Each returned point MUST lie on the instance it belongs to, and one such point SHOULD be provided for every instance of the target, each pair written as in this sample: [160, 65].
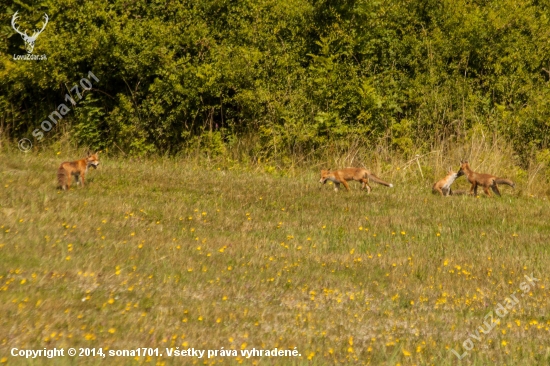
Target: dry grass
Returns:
[166, 252]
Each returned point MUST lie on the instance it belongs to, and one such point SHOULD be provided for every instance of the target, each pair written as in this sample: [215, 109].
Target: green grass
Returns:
[172, 253]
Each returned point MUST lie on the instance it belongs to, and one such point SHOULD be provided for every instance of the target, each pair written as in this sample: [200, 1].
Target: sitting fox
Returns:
[443, 186]
[485, 180]
[346, 174]
[78, 169]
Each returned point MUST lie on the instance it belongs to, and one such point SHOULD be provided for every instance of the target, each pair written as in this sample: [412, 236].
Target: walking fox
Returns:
[485, 180]
[78, 169]
[443, 186]
[346, 174]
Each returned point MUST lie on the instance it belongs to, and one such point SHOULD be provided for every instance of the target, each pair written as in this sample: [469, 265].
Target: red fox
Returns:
[485, 180]
[77, 169]
[358, 174]
[443, 186]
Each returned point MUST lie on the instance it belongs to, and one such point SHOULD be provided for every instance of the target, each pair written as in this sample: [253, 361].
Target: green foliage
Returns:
[298, 74]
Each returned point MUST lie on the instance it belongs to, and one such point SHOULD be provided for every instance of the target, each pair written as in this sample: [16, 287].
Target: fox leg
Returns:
[366, 185]
[495, 189]
[436, 190]
[82, 179]
[336, 186]
[486, 190]
[345, 184]
[473, 189]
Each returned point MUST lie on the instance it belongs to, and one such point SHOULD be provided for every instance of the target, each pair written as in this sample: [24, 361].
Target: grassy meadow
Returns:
[171, 252]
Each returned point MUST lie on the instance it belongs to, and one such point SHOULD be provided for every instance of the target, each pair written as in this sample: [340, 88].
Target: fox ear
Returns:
[88, 153]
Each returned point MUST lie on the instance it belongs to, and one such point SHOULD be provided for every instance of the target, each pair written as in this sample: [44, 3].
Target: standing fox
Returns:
[444, 185]
[485, 180]
[78, 169]
[358, 174]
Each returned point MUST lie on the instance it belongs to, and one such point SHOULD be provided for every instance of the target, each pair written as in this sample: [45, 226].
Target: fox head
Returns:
[324, 176]
[451, 172]
[92, 160]
[464, 166]
[458, 174]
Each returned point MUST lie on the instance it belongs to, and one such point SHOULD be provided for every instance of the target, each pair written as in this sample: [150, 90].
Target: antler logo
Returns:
[29, 40]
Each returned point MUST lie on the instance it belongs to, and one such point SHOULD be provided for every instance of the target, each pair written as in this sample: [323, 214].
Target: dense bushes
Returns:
[298, 74]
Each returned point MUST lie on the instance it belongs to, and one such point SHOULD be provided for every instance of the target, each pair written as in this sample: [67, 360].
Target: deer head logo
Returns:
[29, 40]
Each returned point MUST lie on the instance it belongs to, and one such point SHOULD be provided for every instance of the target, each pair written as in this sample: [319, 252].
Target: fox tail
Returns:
[62, 178]
[375, 179]
[505, 181]
[460, 192]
